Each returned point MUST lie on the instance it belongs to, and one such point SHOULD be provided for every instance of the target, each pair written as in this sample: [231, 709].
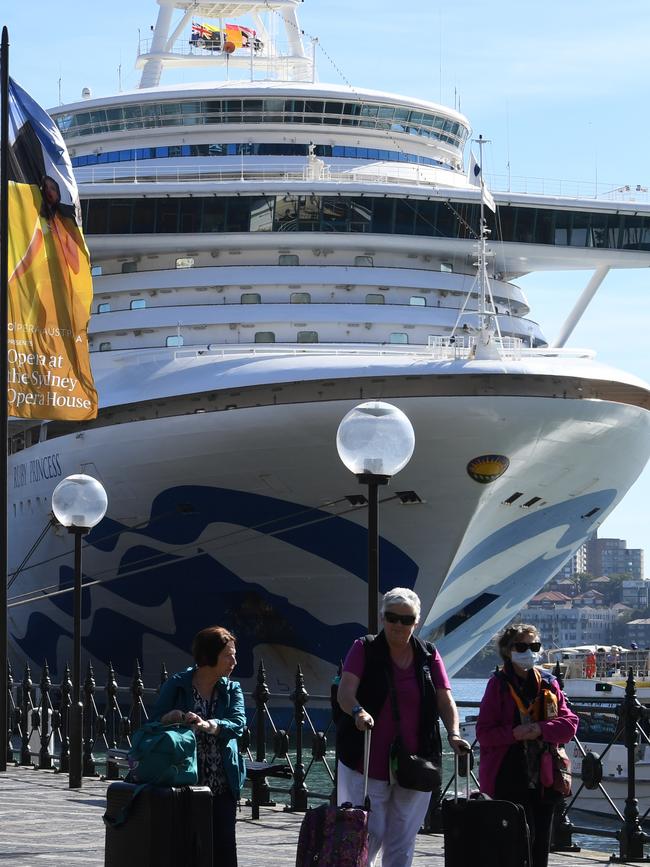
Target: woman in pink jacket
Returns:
[523, 708]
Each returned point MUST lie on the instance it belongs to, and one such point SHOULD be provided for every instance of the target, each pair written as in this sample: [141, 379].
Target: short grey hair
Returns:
[401, 596]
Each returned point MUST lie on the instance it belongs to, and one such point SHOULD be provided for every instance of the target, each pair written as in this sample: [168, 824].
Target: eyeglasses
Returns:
[404, 619]
[522, 646]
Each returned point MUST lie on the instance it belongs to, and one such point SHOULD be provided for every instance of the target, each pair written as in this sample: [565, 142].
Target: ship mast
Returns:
[259, 54]
[488, 338]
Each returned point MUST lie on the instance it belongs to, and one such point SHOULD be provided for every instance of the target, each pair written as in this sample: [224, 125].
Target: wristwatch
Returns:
[355, 710]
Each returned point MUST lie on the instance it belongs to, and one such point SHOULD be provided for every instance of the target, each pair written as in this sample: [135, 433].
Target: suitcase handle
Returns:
[366, 764]
[467, 759]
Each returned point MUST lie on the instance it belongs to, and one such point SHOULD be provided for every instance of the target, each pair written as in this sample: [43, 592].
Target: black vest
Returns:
[372, 694]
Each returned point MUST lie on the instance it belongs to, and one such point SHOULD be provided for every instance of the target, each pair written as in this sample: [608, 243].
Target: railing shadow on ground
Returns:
[289, 740]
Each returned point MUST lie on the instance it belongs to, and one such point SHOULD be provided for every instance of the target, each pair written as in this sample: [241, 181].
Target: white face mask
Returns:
[525, 660]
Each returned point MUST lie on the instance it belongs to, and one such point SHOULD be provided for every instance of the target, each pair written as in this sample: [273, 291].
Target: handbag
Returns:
[164, 755]
[410, 771]
[555, 769]
[561, 770]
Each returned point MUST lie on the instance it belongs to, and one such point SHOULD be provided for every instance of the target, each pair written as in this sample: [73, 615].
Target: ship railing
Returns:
[442, 351]
[510, 348]
[567, 189]
[132, 172]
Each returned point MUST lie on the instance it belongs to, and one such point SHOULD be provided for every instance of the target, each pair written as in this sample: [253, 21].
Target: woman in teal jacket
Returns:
[204, 697]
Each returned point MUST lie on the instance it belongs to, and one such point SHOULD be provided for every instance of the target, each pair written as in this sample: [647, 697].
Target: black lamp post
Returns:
[375, 440]
[79, 503]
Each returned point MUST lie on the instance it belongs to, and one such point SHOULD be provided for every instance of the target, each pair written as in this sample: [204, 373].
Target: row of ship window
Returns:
[275, 110]
[248, 149]
[290, 259]
[267, 337]
[371, 214]
[256, 298]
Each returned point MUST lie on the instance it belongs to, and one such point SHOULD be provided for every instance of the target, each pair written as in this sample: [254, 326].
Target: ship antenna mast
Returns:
[489, 335]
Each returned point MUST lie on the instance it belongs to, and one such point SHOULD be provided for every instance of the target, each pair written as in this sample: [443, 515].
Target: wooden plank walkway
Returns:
[44, 822]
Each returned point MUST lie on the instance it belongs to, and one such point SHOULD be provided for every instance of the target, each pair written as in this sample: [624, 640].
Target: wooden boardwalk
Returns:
[44, 822]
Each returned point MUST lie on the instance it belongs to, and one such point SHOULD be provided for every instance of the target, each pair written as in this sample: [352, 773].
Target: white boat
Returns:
[601, 671]
[269, 252]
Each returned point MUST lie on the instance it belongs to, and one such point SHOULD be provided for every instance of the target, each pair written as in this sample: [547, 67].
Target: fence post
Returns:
[7, 722]
[631, 837]
[298, 790]
[260, 794]
[112, 770]
[66, 703]
[89, 769]
[562, 833]
[25, 754]
[137, 691]
[44, 757]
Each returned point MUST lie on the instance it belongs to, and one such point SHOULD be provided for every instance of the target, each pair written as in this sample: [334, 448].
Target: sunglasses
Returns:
[522, 646]
[404, 619]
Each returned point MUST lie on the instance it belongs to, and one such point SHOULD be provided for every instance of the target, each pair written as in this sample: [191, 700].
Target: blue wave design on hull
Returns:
[203, 591]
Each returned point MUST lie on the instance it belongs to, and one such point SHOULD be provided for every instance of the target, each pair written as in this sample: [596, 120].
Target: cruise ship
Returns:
[268, 252]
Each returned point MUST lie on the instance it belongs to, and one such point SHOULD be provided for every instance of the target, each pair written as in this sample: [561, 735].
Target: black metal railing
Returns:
[276, 743]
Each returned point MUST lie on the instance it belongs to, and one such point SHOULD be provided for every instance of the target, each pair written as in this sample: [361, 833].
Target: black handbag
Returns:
[410, 771]
[413, 771]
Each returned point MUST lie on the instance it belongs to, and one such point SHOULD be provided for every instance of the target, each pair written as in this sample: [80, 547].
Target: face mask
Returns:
[526, 660]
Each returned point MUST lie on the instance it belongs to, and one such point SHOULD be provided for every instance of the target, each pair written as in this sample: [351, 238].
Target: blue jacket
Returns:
[176, 694]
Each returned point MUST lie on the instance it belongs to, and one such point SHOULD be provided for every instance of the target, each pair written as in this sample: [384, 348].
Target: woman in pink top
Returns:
[422, 692]
[523, 708]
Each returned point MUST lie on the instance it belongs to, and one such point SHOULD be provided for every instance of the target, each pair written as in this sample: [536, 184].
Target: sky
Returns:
[559, 89]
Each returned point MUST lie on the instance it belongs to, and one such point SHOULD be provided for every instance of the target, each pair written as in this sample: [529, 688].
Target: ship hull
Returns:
[241, 518]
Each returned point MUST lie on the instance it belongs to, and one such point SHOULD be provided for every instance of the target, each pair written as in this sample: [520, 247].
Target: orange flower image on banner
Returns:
[50, 286]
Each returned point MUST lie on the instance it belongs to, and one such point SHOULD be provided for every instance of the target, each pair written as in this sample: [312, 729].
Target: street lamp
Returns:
[375, 440]
[79, 503]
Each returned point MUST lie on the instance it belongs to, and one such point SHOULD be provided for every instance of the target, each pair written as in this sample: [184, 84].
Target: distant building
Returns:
[639, 631]
[575, 566]
[568, 586]
[613, 557]
[635, 593]
[562, 626]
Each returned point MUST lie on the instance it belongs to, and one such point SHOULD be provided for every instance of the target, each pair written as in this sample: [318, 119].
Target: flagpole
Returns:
[4, 286]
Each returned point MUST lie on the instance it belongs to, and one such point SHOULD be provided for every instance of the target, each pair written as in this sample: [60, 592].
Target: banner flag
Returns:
[50, 287]
[475, 178]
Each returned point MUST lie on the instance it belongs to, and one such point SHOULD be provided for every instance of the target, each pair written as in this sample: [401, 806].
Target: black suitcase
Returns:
[479, 830]
[164, 826]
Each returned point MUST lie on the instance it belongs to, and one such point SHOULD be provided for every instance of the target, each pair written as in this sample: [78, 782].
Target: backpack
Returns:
[163, 755]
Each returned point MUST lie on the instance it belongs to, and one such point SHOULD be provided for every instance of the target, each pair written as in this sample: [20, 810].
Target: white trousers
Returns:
[396, 816]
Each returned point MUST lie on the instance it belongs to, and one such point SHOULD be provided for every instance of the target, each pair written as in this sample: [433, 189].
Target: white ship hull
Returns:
[239, 517]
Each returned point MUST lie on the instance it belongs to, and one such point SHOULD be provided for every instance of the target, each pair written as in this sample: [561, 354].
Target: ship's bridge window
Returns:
[129, 267]
[96, 271]
[446, 266]
[308, 337]
[251, 298]
[104, 346]
[104, 308]
[398, 337]
[418, 301]
[300, 298]
[264, 337]
[364, 260]
[185, 262]
[288, 259]
[174, 340]
[373, 298]
[138, 304]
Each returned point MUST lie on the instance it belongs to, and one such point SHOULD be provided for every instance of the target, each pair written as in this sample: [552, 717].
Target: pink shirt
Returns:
[408, 701]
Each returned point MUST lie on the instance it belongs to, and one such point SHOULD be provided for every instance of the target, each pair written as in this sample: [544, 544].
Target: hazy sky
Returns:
[559, 88]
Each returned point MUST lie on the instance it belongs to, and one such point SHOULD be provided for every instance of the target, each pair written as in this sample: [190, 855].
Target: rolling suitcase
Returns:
[337, 836]
[479, 830]
[164, 826]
